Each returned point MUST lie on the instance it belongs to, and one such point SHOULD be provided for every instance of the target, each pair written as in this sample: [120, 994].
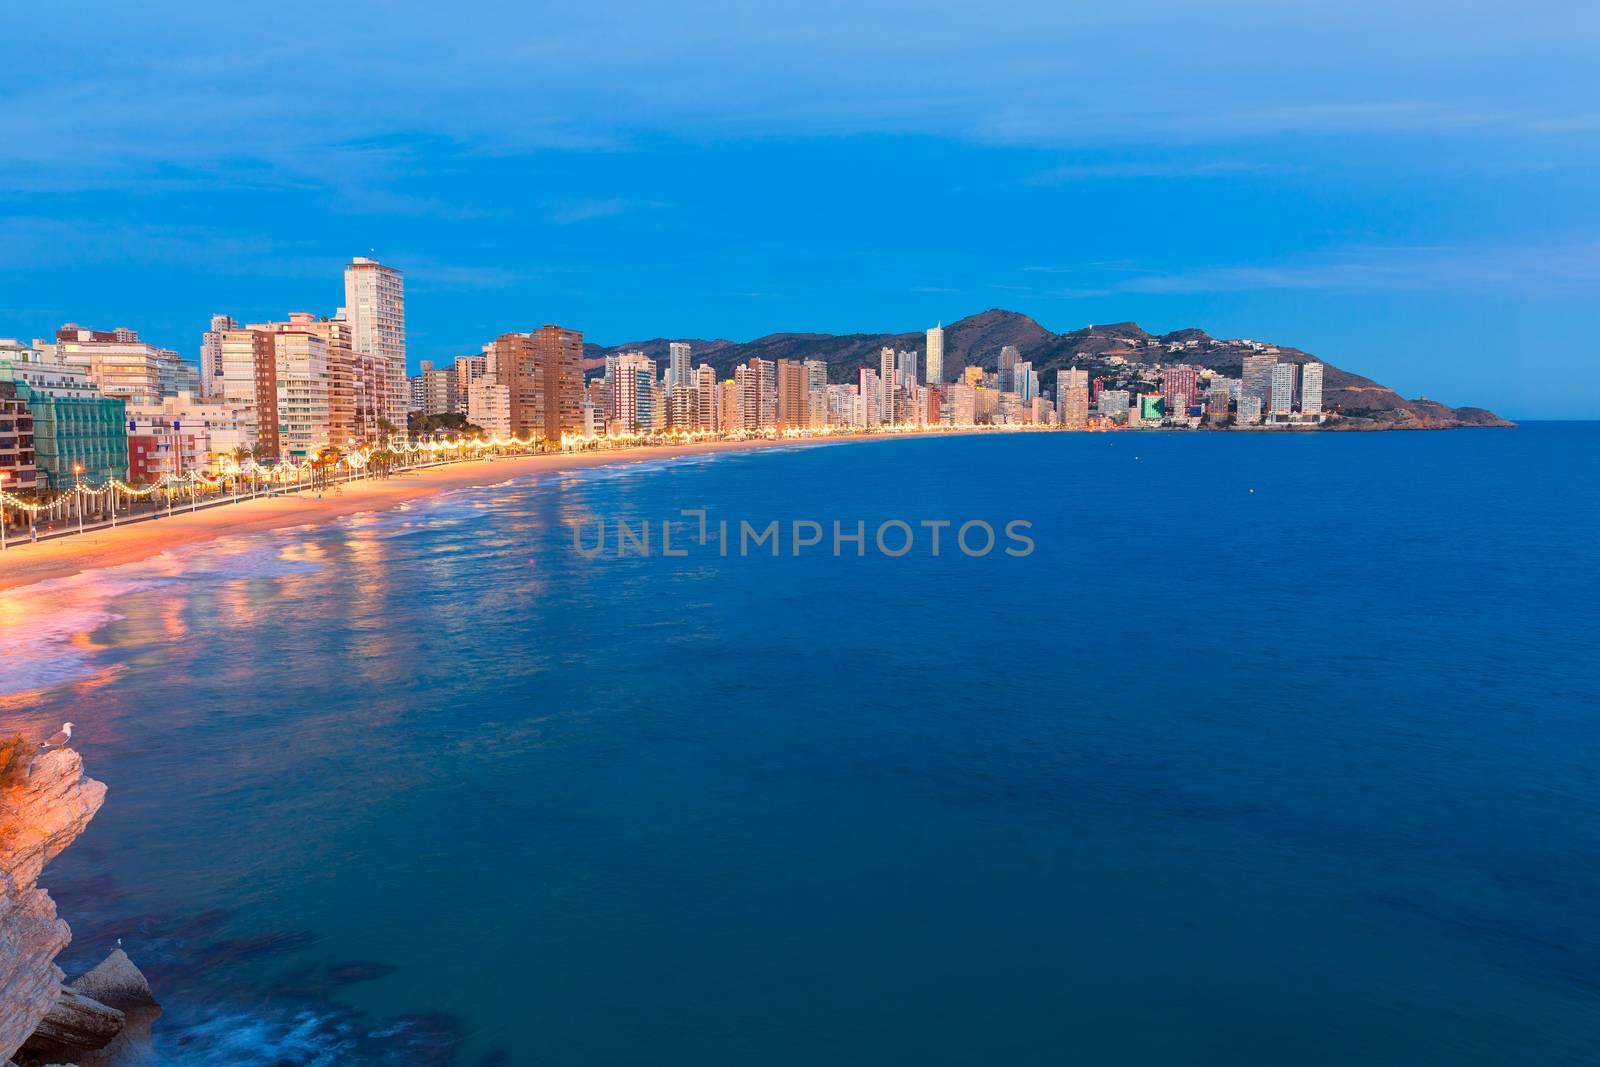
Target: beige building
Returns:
[489, 407]
[122, 365]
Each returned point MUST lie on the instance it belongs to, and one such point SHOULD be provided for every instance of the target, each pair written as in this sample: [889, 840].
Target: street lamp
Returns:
[77, 481]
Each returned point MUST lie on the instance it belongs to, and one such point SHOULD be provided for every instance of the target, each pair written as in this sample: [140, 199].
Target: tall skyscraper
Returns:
[1072, 397]
[817, 391]
[710, 404]
[793, 395]
[561, 353]
[1311, 389]
[345, 424]
[633, 376]
[544, 371]
[935, 361]
[250, 384]
[679, 372]
[1283, 382]
[887, 408]
[375, 308]
[1009, 358]
[758, 394]
[211, 355]
[1256, 380]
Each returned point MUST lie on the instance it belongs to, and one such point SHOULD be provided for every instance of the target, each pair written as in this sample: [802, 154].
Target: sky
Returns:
[1404, 189]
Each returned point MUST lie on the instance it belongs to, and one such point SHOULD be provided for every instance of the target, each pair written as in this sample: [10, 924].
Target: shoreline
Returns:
[26, 565]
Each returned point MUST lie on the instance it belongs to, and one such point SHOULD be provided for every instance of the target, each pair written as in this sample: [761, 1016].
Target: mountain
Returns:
[1123, 354]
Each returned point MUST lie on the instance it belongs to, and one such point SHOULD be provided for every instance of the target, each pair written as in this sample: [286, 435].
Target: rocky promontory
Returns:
[46, 802]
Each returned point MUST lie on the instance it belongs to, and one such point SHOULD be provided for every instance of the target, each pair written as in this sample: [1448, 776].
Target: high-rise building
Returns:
[1072, 397]
[375, 308]
[1249, 410]
[468, 370]
[302, 386]
[1218, 398]
[906, 371]
[1180, 388]
[710, 413]
[1311, 389]
[544, 371]
[345, 427]
[633, 393]
[963, 404]
[211, 355]
[935, 362]
[1027, 382]
[1113, 404]
[817, 392]
[1283, 383]
[888, 379]
[1009, 358]
[433, 390]
[758, 394]
[794, 393]
[1256, 379]
[250, 384]
[729, 419]
[561, 352]
[679, 371]
[489, 407]
[870, 394]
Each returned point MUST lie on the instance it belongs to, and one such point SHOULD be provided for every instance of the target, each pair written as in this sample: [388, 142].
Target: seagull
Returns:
[60, 738]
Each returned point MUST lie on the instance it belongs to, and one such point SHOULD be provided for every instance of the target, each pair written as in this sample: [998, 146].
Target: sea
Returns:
[1243, 749]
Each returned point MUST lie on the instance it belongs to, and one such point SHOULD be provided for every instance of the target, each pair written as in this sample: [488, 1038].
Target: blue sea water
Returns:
[1275, 750]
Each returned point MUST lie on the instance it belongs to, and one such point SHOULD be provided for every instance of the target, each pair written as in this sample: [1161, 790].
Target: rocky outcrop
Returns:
[76, 1024]
[40, 815]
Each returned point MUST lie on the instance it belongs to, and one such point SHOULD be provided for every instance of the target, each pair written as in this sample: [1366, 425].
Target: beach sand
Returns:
[25, 564]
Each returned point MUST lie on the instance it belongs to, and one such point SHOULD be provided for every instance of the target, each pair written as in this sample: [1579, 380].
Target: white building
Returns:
[211, 355]
[1311, 389]
[935, 362]
[1283, 382]
[679, 371]
[489, 407]
[375, 308]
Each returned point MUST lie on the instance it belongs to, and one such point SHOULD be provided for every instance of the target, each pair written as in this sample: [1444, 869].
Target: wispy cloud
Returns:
[1176, 168]
[571, 212]
[1526, 270]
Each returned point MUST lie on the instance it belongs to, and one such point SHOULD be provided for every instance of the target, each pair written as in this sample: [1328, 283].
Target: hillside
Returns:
[1121, 353]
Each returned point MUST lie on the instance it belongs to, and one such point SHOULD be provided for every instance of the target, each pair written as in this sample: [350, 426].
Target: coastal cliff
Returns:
[45, 805]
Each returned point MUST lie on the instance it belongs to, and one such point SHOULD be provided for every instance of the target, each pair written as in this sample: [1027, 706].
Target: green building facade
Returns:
[72, 426]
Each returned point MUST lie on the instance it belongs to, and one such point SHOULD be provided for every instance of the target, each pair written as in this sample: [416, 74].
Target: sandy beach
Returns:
[26, 564]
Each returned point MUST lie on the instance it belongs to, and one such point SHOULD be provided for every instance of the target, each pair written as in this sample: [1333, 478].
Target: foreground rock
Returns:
[117, 983]
[40, 815]
[46, 802]
[76, 1024]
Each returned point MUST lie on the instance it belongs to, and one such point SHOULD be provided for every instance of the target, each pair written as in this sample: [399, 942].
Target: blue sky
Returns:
[1407, 190]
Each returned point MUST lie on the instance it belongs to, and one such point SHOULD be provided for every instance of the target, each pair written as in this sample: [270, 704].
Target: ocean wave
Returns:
[236, 1039]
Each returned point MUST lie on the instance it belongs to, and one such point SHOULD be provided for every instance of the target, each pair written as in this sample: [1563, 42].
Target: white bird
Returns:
[60, 738]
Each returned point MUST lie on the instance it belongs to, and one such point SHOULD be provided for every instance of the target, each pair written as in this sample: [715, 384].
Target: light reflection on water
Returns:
[422, 786]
